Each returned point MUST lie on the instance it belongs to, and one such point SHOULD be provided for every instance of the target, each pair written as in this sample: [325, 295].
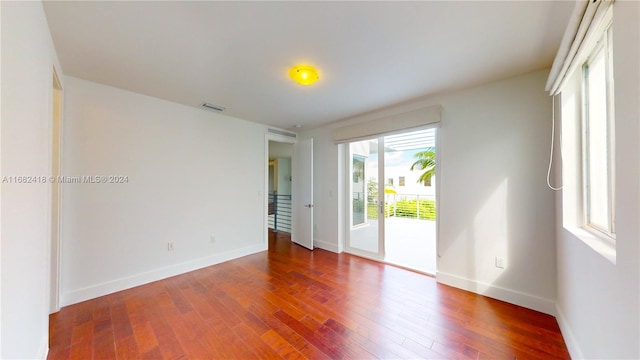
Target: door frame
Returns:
[348, 204]
[55, 215]
[347, 197]
[265, 194]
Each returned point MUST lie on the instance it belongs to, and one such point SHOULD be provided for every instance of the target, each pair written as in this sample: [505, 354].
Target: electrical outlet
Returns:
[212, 239]
[169, 246]
[500, 262]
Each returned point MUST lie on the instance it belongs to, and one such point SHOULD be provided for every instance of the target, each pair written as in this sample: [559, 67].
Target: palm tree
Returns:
[426, 160]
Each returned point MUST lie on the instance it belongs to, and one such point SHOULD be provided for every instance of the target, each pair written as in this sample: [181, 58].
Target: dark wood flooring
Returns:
[292, 303]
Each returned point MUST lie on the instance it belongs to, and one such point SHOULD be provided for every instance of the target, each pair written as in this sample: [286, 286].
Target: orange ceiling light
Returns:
[304, 74]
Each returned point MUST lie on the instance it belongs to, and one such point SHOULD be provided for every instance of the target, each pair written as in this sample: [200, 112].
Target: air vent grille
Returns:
[280, 132]
[213, 107]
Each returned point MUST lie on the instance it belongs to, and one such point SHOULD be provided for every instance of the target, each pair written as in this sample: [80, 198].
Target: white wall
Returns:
[282, 153]
[284, 176]
[493, 198]
[598, 301]
[188, 179]
[280, 150]
[27, 62]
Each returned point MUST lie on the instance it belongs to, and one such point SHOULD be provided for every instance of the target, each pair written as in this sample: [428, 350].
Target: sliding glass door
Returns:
[365, 204]
[392, 209]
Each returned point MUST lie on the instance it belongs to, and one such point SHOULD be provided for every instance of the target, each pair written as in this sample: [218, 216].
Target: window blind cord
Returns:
[553, 136]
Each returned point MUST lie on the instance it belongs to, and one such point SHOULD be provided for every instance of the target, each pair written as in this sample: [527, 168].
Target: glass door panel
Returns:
[364, 204]
[410, 212]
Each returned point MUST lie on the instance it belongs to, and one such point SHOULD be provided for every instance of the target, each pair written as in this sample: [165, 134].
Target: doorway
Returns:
[279, 188]
[288, 169]
[392, 206]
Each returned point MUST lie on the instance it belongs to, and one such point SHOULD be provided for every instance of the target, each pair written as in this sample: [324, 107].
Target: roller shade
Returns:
[585, 24]
[388, 124]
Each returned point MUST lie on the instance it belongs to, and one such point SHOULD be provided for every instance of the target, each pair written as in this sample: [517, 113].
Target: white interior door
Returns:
[303, 233]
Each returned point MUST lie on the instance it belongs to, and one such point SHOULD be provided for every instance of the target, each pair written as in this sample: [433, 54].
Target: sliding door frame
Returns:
[380, 256]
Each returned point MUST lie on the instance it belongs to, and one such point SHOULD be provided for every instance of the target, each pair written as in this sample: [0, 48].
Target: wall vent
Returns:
[213, 107]
[284, 133]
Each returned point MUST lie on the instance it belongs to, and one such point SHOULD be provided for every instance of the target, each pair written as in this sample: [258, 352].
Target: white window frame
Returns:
[604, 45]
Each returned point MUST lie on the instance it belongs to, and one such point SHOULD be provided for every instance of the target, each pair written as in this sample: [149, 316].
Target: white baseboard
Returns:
[109, 287]
[44, 353]
[326, 246]
[511, 296]
[567, 334]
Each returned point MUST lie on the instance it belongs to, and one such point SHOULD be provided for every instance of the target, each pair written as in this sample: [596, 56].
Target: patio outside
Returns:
[410, 232]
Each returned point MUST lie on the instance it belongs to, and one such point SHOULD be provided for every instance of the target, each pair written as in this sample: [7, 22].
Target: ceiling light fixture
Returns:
[304, 74]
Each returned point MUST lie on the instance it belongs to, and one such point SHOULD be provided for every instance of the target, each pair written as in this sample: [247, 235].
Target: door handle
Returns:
[309, 206]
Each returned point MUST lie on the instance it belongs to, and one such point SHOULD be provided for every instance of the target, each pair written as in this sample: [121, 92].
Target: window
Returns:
[390, 181]
[358, 195]
[598, 139]
[401, 181]
[583, 74]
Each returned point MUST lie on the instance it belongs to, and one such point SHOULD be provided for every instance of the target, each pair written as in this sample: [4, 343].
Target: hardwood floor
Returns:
[291, 303]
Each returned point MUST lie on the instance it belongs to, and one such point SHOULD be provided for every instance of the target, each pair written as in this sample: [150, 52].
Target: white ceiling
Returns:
[237, 54]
